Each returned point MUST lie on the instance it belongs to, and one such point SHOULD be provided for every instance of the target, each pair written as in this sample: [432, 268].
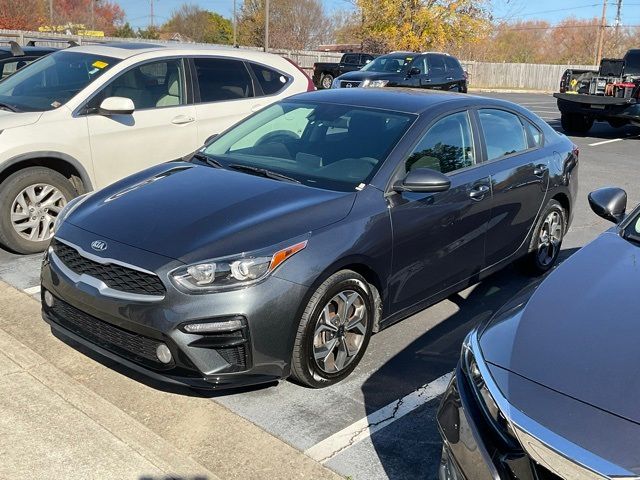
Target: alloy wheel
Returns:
[34, 210]
[340, 331]
[549, 239]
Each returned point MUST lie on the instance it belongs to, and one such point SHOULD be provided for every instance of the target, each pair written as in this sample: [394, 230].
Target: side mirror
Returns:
[423, 180]
[609, 203]
[414, 71]
[116, 106]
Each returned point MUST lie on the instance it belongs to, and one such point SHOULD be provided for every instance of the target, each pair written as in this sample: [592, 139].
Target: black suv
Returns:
[13, 57]
[438, 71]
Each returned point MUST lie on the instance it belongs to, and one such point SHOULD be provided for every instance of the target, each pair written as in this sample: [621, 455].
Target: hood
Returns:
[192, 212]
[359, 75]
[579, 333]
[17, 119]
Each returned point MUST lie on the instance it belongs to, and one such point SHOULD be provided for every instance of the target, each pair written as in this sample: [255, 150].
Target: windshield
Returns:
[334, 147]
[52, 80]
[388, 64]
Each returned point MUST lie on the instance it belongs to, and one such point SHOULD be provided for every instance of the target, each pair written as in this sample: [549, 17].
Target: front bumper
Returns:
[129, 330]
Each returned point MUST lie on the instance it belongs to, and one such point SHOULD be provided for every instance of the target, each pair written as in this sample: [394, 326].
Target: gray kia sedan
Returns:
[548, 389]
[282, 245]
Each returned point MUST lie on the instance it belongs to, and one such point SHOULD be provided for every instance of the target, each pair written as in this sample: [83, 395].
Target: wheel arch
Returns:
[563, 199]
[60, 162]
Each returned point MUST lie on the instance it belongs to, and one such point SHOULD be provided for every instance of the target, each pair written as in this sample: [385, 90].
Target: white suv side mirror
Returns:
[117, 106]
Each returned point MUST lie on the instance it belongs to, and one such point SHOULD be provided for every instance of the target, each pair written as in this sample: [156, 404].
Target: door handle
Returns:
[426, 80]
[449, 78]
[479, 192]
[182, 120]
[540, 170]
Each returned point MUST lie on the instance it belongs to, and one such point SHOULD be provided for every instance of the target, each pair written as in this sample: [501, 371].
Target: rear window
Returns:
[269, 80]
[504, 133]
[632, 62]
[452, 64]
[222, 79]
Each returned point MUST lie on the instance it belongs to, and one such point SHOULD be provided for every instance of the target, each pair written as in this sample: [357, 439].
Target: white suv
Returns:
[82, 118]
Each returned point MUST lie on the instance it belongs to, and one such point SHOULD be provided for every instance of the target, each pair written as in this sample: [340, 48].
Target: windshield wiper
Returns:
[207, 159]
[5, 106]
[263, 172]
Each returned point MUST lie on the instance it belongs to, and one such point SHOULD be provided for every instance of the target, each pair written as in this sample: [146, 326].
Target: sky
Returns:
[138, 11]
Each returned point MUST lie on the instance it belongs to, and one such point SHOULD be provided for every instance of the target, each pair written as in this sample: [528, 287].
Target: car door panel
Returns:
[439, 237]
[164, 129]
[519, 182]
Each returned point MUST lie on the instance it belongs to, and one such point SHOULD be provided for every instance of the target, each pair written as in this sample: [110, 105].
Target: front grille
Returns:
[133, 346]
[114, 276]
[349, 84]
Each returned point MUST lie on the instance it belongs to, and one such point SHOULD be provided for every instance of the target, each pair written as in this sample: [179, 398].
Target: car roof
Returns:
[407, 100]
[6, 49]
[123, 50]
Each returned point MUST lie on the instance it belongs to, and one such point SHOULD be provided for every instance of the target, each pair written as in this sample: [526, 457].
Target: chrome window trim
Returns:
[99, 285]
[554, 452]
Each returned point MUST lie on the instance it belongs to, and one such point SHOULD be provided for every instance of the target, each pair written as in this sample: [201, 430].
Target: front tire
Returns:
[334, 330]
[576, 123]
[546, 240]
[30, 201]
[326, 80]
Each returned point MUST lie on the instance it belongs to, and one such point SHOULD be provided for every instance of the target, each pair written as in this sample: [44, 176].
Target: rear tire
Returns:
[546, 240]
[30, 200]
[326, 80]
[576, 123]
[328, 347]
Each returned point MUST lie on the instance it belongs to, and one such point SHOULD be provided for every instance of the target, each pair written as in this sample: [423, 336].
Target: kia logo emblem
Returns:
[99, 245]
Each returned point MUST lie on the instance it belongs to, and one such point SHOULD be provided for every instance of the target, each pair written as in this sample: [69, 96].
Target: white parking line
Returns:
[32, 290]
[363, 428]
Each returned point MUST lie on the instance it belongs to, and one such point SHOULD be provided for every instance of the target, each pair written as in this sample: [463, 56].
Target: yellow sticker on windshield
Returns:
[99, 64]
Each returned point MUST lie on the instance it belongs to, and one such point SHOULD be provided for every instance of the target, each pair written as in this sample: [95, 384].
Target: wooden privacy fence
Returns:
[526, 76]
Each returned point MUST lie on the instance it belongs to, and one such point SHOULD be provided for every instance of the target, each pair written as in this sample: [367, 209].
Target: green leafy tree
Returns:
[199, 25]
[125, 31]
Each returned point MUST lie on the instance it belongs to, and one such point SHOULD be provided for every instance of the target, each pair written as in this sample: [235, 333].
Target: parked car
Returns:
[438, 71]
[533, 388]
[325, 72]
[283, 244]
[610, 94]
[13, 57]
[84, 117]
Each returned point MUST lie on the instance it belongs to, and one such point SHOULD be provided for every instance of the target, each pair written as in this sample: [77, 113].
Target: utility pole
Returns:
[51, 13]
[151, 15]
[235, 24]
[618, 16]
[266, 25]
[603, 26]
[93, 21]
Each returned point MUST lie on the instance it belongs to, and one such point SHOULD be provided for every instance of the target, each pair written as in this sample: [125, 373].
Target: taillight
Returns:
[310, 86]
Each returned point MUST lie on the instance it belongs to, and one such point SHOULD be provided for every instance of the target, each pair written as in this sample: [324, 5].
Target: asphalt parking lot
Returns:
[379, 423]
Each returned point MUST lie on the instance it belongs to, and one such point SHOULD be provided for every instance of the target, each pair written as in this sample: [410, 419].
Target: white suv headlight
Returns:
[374, 83]
[232, 272]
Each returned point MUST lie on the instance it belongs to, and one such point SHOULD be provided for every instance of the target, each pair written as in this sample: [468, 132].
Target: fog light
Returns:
[48, 299]
[163, 353]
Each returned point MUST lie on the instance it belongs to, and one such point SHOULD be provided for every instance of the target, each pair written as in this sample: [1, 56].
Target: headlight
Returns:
[232, 272]
[482, 394]
[374, 83]
[67, 209]
[335, 83]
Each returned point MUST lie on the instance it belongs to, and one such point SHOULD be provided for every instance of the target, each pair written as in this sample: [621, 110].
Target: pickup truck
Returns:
[610, 94]
[324, 72]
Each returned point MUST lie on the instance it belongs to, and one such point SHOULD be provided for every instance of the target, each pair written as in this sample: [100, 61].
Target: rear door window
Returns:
[222, 79]
[504, 133]
[350, 59]
[452, 65]
[270, 81]
[436, 64]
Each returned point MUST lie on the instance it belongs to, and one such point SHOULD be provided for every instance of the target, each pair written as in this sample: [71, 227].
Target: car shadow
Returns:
[410, 447]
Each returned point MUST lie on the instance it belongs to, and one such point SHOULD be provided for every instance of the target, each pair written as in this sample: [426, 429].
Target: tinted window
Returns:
[504, 134]
[351, 59]
[335, 147]
[436, 64]
[452, 65]
[366, 58]
[632, 63]
[152, 85]
[534, 135]
[222, 79]
[12, 66]
[270, 81]
[421, 63]
[53, 80]
[388, 63]
[446, 147]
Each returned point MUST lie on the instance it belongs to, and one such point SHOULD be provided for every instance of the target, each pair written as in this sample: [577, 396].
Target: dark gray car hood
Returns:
[579, 333]
[192, 212]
